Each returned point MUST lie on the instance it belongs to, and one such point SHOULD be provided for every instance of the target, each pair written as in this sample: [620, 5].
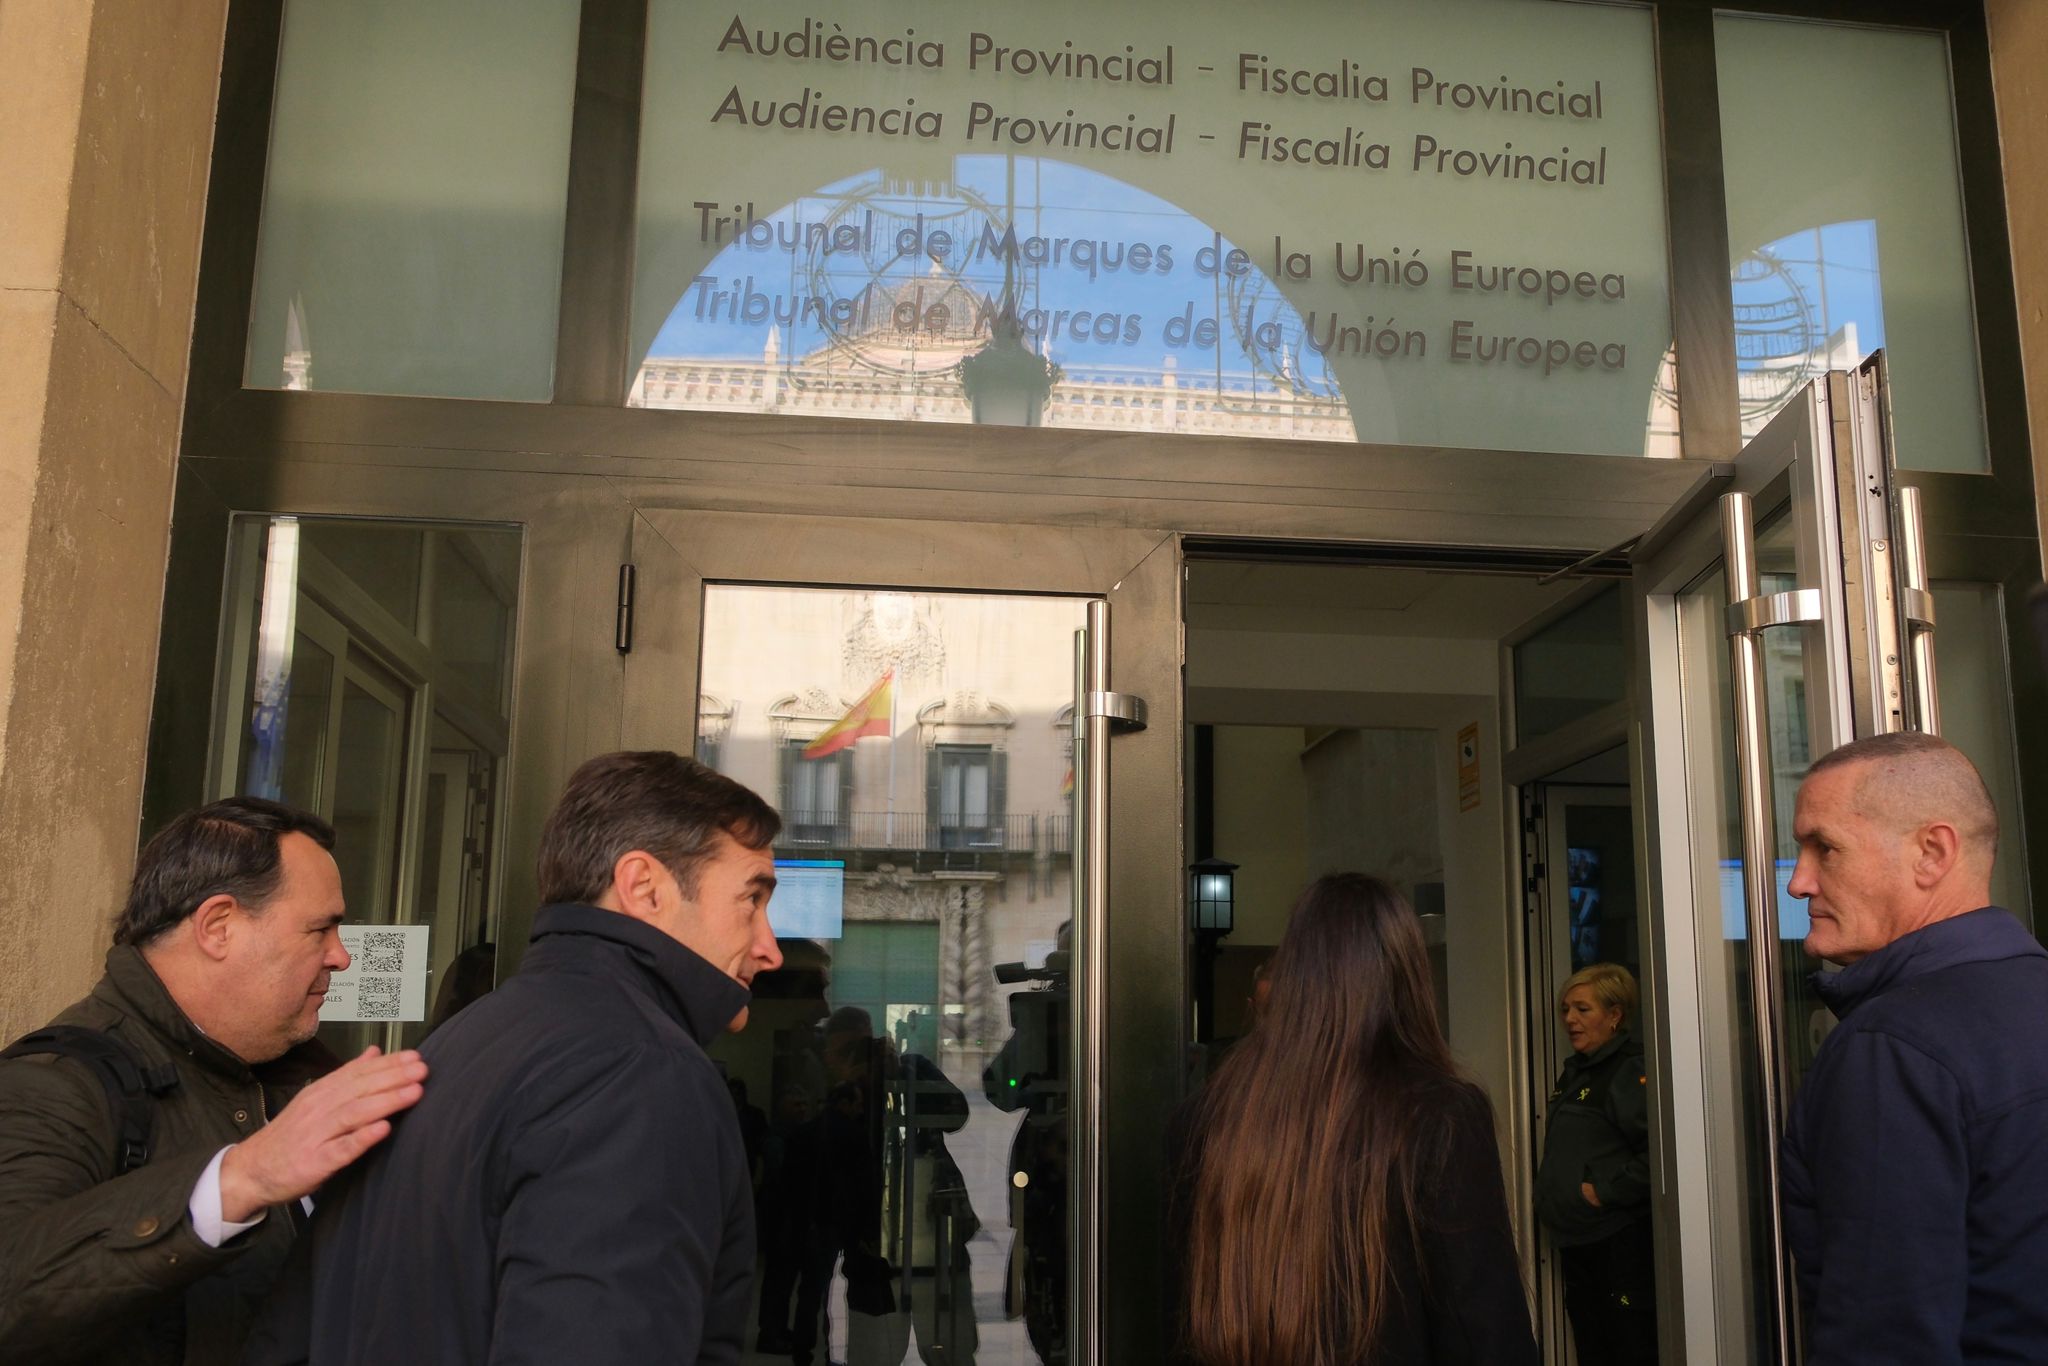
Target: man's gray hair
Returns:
[1914, 779]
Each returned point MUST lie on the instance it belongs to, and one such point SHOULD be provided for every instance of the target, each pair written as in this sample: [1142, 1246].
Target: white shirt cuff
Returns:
[208, 1222]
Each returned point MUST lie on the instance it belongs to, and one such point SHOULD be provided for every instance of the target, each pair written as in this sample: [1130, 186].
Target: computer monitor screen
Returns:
[810, 898]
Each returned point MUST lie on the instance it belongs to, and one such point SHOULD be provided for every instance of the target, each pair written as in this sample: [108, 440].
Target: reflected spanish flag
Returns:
[869, 716]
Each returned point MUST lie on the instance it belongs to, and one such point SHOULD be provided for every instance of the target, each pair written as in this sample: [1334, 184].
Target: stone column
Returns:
[2019, 77]
[108, 110]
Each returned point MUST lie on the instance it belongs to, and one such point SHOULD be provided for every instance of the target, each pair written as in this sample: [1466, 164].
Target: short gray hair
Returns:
[1922, 779]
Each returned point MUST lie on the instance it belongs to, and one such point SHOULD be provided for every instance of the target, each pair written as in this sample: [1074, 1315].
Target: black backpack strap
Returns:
[131, 1086]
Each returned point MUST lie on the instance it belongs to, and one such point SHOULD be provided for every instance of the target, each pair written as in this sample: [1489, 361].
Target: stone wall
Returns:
[108, 111]
[2019, 78]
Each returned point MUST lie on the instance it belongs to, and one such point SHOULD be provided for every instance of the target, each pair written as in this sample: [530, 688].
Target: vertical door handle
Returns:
[1759, 874]
[1093, 721]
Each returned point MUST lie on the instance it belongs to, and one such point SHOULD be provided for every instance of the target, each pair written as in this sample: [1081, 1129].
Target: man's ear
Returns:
[1937, 849]
[212, 925]
[636, 885]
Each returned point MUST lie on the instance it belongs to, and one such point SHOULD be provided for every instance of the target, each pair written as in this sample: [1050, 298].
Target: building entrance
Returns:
[1360, 717]
[1002, 748]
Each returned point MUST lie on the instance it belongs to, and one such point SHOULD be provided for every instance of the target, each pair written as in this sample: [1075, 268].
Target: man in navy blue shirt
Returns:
[1916, 1161]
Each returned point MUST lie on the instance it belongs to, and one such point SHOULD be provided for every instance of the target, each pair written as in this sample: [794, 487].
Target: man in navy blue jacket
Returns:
[573, 1187]
[1916, 1161]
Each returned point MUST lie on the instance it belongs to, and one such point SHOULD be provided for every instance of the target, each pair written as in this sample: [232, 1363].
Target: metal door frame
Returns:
[1690, 1169]
[1824, 462]
[1128, 1001]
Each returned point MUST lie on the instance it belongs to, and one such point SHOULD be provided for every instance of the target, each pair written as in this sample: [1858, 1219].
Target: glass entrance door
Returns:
[955, 1085]
[1786, 619]
[906, 1084]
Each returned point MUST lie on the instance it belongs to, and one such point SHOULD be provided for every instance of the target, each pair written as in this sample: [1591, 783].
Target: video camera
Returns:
[1030, 1071]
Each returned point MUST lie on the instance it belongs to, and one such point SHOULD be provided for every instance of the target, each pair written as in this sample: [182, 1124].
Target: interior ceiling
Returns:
[1371, 600]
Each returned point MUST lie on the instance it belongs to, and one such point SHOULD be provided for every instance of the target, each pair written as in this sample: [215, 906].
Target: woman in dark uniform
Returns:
[1593, 1189]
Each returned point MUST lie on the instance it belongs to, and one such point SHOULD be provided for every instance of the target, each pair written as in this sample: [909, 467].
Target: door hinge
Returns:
[1533, 846]
[622, 625]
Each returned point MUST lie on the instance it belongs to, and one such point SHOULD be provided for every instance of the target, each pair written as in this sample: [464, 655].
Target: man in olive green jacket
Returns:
[219, 966]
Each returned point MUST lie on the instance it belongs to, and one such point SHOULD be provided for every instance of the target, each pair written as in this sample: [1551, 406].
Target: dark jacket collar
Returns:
[1622, 1042]
[1988, 934]
[701, 998]
[133, 987]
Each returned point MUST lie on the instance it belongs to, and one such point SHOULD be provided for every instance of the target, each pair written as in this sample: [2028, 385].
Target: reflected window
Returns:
[815, 795]
[366, 676]
[968, 784]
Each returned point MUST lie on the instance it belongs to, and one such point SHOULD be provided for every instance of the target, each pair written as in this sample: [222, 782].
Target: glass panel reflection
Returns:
[1374, 221]
[1971, 669]
[1738, 1156]
[414, 198]
[1571, 668]
[902, 1082]
[1741, 1258]
[366, 673]
[1845, 224]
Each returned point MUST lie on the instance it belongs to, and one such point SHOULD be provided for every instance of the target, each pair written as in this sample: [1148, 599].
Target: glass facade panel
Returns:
[1571, 668]
[476, 583]
[387, 730]
[1376, 220]
[907, 1066]
[369, 765]
[1845, 225]
[414, 199]
[1972, 670]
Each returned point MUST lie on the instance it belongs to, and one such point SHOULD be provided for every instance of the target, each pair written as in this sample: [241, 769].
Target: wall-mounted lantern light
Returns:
[1210, 893]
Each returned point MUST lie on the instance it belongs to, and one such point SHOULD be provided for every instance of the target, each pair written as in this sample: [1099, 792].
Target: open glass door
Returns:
[1783, 619]
[956, 1084]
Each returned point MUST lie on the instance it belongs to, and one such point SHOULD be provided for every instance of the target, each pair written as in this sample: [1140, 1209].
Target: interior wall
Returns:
[1372, 806]
[1310, 682]
[1262, 818]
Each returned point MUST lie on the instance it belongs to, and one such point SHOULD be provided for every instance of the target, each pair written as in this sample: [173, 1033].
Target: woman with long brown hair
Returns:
[1340, 1199]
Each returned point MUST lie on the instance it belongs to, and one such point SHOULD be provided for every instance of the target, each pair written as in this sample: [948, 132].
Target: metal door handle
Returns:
[1759, 862]
[1126, 712]
[1099, 711]
[1762, 611]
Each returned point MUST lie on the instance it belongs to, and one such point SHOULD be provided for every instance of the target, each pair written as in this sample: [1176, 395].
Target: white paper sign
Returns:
[386, 978]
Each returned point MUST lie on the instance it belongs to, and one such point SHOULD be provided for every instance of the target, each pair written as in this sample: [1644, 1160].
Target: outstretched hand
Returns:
[328, 1125]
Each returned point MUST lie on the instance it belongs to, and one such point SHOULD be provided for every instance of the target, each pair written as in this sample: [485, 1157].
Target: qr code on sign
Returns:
[383, 952]
[377, 998]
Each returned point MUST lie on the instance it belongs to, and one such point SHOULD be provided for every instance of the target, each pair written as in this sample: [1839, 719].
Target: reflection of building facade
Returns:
[915, 382]
[953, 819]
[1131, 399]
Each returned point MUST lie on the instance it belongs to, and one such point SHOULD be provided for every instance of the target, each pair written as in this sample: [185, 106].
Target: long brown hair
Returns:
[1309, 1137]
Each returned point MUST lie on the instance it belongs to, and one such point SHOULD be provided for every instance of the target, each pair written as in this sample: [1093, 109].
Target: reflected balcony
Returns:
[1037, 834]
